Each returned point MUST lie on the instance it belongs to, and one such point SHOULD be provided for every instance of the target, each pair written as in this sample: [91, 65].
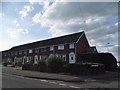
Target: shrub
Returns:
[107, 59]
[27, 66]
[85, 68]
[42, 65]
[5, 64]
[55, 63]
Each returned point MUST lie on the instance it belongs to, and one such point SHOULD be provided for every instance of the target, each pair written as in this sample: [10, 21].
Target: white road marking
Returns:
[53, 82]
[74, 87]
[62, 84]
[44, 80]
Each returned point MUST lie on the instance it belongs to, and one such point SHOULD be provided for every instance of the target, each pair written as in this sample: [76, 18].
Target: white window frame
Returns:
[36, 58]
[61, 47]
[64, 56]
[40, 57]
[51, 48]
[71, 46]
[30, 50]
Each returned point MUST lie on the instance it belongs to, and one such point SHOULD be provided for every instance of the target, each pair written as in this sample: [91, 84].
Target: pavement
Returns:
[60, 77]
[41, 75]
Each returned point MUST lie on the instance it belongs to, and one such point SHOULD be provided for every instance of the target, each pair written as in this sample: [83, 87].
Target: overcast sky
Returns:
[24, 22]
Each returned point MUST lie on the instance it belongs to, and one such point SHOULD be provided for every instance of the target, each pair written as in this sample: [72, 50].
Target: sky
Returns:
[34, 20]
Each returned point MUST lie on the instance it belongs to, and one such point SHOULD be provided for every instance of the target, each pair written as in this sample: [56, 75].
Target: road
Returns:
[13, 81]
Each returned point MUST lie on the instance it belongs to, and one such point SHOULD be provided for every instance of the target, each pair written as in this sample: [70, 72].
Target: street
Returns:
[14, 81]
[11, 81]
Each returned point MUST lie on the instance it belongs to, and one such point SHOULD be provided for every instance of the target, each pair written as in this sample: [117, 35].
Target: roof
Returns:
[48, 42]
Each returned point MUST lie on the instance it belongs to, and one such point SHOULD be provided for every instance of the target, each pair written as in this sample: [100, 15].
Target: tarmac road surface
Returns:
[14, 81]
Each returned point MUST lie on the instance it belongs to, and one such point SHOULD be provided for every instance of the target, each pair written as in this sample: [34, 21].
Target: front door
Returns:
[36, 59]
[24, 60]
[71, 58]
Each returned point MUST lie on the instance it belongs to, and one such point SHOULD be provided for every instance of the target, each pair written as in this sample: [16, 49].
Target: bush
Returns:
[107, 59]
[42, 65]
[84, 68]
[55, 63]
[27, 67]
[5, 64]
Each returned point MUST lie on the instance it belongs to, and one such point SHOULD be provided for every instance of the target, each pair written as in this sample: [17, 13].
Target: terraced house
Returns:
[68, 47]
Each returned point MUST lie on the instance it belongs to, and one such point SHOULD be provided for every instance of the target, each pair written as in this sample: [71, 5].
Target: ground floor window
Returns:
[64, 57]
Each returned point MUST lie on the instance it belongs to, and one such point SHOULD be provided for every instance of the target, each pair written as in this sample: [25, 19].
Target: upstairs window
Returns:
[11, 54]
[61, 47]
[8, 54]
[20, 52]
[25, 52]
[15, 53]
[43, 49]
[30, 51]
[36, 50]
[51, 48]
[71, 46]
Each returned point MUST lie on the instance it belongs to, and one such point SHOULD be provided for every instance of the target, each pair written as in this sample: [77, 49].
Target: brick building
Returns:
[68, 47]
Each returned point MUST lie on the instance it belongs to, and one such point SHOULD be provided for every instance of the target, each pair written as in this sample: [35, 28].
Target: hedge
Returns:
[84, 68]
[42, 65]
[107, 59]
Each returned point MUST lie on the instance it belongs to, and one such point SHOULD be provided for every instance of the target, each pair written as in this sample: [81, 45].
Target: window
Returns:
[15, 53]
[51, 48]
[20, 52]
[60, 47]
[64, 57]
[30, 51]
[40, 57]
[11, 54]
[8, 54]
[45, 57]
[43, 49]
[36, 50]
[25, 52]
[71, 45]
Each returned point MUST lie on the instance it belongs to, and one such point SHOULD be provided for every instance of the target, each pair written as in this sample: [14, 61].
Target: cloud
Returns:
[32, 1]
[16, 23]
[16, 32]
[36, 18]
[24, 12]
[66, 11]
[44, 3]
[92, 17]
